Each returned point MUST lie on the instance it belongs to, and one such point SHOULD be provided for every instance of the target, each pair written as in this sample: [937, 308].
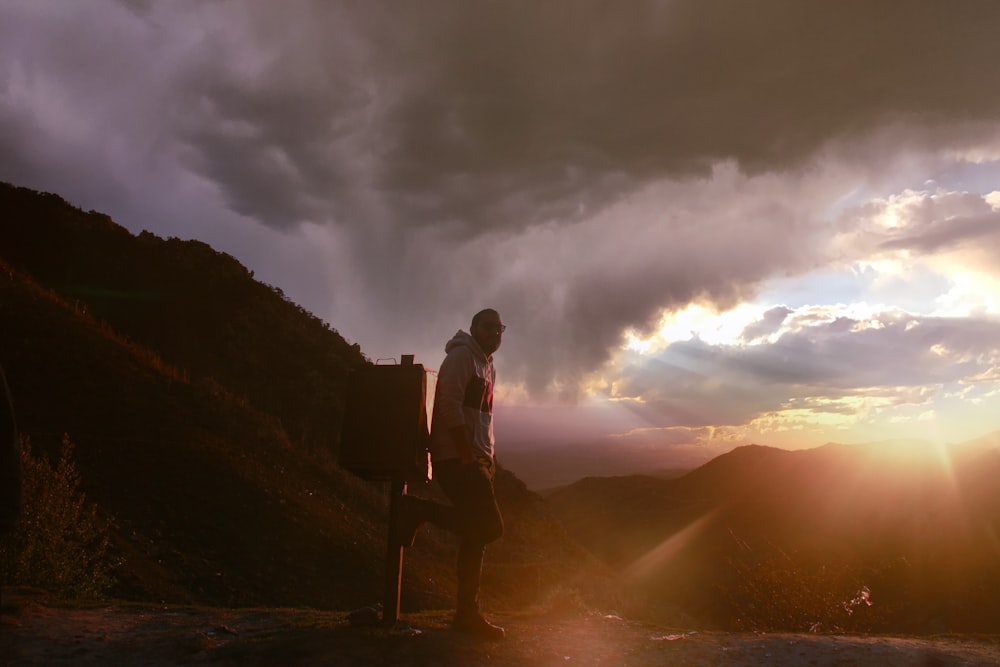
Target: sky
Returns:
[705, 223]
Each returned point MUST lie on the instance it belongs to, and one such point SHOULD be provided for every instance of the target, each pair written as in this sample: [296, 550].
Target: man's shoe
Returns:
[474, 624]
[404, 532]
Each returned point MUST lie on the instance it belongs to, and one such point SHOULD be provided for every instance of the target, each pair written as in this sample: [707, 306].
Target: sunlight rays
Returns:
[659, 557]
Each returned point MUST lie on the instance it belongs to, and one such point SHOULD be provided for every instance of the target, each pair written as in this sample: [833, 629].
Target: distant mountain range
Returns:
[544, 467]
[809, 538]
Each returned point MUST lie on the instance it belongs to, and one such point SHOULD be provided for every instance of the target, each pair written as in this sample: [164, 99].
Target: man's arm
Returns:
[456, 371]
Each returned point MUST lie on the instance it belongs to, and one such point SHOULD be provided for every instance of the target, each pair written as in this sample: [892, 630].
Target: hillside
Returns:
[549, 467]
[767, 538]
[205, 408]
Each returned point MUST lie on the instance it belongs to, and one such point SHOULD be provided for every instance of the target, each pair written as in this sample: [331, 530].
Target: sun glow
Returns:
[695, 321]
[970, 293]
[731, 327]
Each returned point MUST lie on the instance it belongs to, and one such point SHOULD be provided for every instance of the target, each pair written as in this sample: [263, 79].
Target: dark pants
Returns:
[474, 517]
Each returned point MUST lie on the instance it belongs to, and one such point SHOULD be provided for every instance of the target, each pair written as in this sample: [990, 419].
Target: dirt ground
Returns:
[37, 631]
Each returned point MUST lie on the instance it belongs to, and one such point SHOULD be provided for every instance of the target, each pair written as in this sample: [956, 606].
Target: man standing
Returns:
[461, 445]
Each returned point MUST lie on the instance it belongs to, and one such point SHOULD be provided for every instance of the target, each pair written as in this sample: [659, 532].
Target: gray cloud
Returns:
[558, 100]
[949, 233]
[767, 325]
[485, 115]
[580, 166]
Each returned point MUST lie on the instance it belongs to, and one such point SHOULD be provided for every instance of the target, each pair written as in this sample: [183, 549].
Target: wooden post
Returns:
[393, 557]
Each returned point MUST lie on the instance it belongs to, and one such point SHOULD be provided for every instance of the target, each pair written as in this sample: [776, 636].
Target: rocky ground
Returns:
[38, 631]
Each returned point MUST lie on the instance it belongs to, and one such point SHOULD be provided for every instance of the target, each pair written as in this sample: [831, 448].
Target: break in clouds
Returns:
[827, 365]
[582, 166]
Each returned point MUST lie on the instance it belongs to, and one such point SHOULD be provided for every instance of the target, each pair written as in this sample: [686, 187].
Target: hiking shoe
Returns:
[476, 625]
[404, 532]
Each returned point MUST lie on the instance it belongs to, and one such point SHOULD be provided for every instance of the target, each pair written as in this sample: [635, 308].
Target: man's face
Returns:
[488, 332]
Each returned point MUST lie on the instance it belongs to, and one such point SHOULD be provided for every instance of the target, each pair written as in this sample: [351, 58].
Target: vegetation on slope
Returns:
[59, 544]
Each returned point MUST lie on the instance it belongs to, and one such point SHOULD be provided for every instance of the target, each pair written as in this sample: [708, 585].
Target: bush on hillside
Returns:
[771, 590]
[60, 544]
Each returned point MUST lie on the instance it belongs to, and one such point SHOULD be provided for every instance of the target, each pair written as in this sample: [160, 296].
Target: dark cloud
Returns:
[554, 102]
[581, 166]
[485, 115]
[951, 233]
[274, 151]
[768, 324]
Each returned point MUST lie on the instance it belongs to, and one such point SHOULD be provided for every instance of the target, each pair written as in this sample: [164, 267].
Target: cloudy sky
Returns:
[704, 222]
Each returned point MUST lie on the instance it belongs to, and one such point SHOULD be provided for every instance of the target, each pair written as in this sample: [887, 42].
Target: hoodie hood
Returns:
[463, 397]
[463, 338]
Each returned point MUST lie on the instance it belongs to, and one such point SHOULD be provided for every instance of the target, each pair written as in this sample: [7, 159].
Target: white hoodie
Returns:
[464, 396]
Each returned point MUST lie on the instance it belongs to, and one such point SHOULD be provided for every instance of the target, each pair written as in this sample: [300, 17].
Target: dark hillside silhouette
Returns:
[205, 408]
[199, 309]
[766, 538]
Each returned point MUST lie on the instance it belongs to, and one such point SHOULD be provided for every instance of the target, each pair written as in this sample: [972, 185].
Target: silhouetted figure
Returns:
[461, 445]
[10, 462]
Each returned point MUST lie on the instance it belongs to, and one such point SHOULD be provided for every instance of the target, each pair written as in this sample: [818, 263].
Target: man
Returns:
[461, 445]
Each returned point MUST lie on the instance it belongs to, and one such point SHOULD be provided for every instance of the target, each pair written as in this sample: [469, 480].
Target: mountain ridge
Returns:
[918, 535]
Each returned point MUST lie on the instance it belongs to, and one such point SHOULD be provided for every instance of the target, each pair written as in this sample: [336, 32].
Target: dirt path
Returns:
[37, 632]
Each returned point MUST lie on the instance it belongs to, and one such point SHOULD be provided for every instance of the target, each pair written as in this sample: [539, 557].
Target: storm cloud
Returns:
[584, 167]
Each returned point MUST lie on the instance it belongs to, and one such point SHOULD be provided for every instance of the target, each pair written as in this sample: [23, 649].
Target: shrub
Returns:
[771, 590]
[60, 544]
